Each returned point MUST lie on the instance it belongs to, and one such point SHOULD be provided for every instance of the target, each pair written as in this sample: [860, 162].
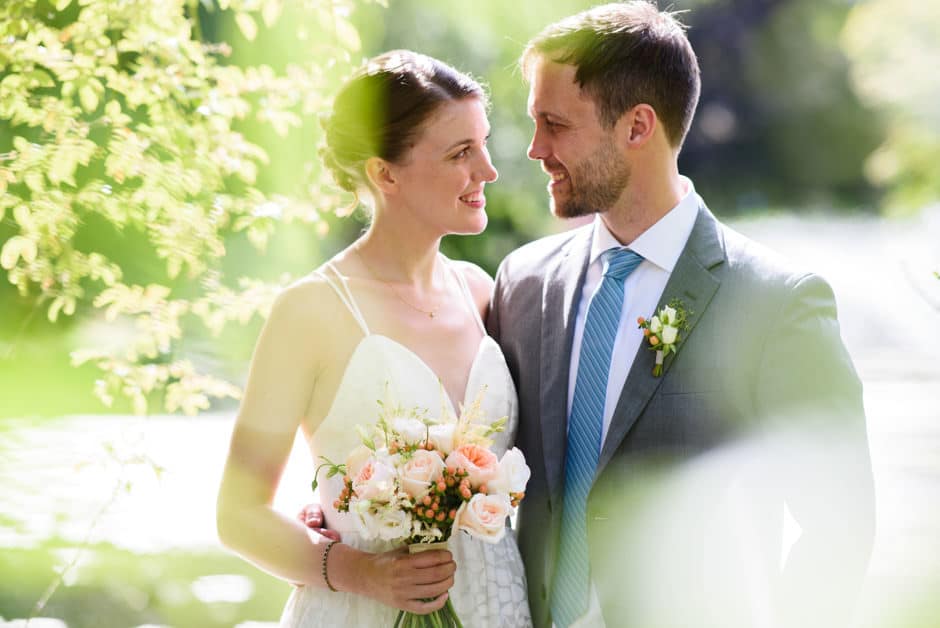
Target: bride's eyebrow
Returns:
[458, 143]
[469, 140]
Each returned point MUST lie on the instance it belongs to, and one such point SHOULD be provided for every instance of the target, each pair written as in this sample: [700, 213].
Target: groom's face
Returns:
[588, 172]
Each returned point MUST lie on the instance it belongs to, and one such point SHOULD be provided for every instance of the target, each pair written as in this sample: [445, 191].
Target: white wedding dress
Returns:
[489, 587]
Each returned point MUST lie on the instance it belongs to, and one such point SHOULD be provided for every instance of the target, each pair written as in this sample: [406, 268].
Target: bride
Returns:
[389, 315]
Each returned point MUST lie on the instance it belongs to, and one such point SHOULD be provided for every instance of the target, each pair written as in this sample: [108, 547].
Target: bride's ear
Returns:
[380, 175]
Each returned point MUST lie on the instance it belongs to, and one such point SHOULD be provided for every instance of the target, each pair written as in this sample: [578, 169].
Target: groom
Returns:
[612, 94]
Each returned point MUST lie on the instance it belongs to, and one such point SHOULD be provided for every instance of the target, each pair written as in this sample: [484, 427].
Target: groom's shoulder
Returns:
[531, 258]
[747, 258]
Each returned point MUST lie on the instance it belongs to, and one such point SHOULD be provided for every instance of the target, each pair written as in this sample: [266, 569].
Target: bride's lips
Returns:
[475, 200]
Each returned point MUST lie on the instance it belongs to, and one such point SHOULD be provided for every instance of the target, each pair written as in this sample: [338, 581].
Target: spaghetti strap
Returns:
[468, 296]
[345, 295]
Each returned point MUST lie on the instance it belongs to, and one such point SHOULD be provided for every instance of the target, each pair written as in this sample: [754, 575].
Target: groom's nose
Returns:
[538, 147]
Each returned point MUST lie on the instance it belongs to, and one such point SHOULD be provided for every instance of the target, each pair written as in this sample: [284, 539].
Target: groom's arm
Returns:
[808, 386]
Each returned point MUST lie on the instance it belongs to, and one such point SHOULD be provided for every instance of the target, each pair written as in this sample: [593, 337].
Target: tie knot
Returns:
[619, 263]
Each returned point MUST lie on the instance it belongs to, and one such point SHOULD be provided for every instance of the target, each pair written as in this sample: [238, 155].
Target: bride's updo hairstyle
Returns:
[382, 108]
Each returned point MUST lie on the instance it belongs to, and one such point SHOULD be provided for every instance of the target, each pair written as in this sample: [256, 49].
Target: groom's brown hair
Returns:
[626, 54]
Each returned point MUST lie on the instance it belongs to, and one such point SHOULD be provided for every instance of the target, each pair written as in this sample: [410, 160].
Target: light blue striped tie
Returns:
[569, 599]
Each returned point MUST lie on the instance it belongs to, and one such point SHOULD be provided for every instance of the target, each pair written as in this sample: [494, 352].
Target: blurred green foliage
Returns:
[129, 176]
[895, 51]
[115, 588]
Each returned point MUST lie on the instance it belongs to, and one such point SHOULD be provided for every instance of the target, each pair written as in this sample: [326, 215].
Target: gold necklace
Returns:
[431, 313]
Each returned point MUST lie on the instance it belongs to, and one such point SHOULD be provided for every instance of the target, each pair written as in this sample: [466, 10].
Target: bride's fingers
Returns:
[433, 575]
[420, 607]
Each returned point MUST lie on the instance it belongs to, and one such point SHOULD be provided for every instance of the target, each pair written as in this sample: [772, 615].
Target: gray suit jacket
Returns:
[763, 351]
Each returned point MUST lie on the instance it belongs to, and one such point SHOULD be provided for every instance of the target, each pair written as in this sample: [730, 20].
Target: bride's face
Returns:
[440, 182]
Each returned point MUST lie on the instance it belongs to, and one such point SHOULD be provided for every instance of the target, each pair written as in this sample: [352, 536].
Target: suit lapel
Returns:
[692, 282]
[564, 279]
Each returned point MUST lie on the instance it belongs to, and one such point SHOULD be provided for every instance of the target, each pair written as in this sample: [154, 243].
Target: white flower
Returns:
[411, 430]
[442, 436]
[668, 315]
[418, 473]
[670, 334]
[513, 474]
[484, 516]
[394, 524]
[656, 325]
[366, 523]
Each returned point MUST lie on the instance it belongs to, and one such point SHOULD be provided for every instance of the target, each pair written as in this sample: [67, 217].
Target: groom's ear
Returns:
[380, 175]
[637, 125]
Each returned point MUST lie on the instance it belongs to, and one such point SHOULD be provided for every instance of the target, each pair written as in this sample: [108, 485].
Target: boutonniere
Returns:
[662, 331]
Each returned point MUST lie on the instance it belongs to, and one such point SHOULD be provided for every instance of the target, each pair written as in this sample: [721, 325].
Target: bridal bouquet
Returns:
[416, 479]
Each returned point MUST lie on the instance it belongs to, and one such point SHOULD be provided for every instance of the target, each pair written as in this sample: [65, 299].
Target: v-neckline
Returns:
[452, 404]
[484, 341]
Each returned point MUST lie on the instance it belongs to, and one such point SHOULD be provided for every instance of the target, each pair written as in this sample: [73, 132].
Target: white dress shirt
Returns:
[660, 246]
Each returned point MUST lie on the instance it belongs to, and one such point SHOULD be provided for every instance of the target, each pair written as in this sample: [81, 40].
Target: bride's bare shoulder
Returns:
[307, 302]
[479, 282]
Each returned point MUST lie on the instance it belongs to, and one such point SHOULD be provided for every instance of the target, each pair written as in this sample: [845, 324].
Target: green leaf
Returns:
[247, 25]
[62, 5]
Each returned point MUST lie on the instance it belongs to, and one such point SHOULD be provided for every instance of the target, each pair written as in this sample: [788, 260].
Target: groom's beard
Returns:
[595, 184]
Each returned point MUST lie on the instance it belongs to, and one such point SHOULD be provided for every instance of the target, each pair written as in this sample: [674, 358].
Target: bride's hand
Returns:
[404, 581]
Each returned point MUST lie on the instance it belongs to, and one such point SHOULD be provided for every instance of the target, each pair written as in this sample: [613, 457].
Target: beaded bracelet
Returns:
[326, 552]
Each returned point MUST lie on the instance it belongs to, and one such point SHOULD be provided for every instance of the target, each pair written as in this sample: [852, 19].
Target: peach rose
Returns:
[418, 473]
[356, 459]
[484, 516]
[375, 481]
[479, 462]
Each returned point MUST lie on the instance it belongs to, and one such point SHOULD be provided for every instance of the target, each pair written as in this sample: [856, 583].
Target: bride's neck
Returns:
[397, 255]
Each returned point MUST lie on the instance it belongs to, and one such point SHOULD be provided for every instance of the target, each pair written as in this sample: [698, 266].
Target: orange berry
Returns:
[646, 332]
[452, 514]
[440, 516]
[640, 320]
[654, 340]
[427, 500]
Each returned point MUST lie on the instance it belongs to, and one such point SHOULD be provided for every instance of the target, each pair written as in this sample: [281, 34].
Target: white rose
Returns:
[484, 517]
[375, 481]
[366, 523]
[669, 315]
[412, 430]
[394, 524]
[656, 325]
[669, 334]
[356, 459]
[443, 437]
[418, 473]
[513, 473]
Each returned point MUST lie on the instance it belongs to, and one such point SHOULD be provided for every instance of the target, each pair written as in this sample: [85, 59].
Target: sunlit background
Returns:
[159, 181]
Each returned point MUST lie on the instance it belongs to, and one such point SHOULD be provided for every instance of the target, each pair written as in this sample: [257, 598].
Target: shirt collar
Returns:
[663, 242]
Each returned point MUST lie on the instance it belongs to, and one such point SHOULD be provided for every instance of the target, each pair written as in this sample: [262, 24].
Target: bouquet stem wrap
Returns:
[445, 617]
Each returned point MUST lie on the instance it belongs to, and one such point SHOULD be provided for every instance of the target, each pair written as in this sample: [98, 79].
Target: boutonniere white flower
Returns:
[662, 331]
